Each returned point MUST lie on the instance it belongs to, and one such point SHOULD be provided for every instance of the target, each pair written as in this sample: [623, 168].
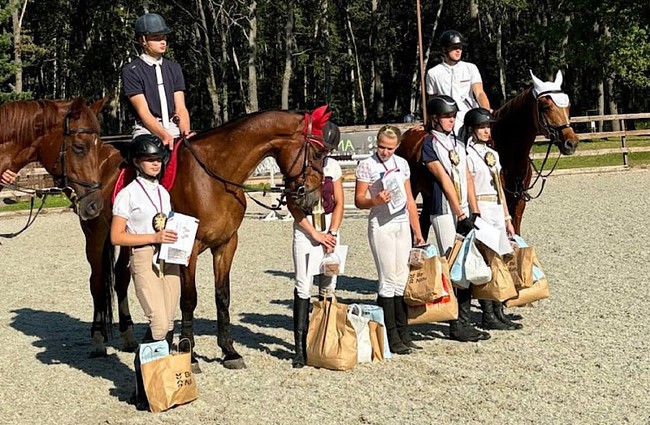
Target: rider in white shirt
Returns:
[484, 166]
[457, 79]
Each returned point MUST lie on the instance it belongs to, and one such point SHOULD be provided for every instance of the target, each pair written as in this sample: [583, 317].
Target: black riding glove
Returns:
[475, 216]
[464, 226]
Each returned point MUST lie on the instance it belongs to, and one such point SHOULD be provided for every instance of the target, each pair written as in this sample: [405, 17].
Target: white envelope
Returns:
[493, 238]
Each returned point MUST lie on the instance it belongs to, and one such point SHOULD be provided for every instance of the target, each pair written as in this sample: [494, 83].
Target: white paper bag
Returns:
[360, 325]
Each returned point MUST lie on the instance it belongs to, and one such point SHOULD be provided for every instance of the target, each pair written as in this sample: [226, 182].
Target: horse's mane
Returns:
[516, 103]
[237, 122]
[25, 121]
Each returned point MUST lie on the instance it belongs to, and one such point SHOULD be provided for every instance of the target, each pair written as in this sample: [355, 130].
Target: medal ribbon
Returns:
[496, 181]
[152, 202]
[455, 175]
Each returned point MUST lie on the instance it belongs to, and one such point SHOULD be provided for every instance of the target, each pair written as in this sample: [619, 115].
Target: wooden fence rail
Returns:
[35, 176]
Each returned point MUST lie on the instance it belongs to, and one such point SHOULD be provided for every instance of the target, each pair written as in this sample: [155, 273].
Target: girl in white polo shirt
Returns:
[139, 215]
[393, 214]
[484, 166]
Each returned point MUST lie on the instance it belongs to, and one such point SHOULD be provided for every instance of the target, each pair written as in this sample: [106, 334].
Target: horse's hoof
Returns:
[98, 353]
[196, 368]
[234, 363]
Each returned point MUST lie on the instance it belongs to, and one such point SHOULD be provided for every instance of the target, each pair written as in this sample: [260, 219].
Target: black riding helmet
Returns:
[451, 37]
[147, 145]
[440, 105]
[331, 136]
[477, 116]
[150, 23]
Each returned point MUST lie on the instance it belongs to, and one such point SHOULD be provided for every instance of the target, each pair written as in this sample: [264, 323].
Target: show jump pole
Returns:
[422, 90]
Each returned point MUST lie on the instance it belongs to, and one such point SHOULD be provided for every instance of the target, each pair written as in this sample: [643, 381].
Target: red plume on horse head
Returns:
[315, 122]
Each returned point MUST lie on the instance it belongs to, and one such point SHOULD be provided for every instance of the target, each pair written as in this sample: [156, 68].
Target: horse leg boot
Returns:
[139, 398]
[500, 314]
[300, 325]
[461, 329]
[490, 321]
[394, 341]
[401, 320]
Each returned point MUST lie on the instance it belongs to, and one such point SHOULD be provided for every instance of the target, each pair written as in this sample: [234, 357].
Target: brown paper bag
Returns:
[501, 287]
[331, 339]
[424, 284]
[440, 310]
[169, 382]
[376, 340]
[536, 292]
[520, 266]
[455, 249]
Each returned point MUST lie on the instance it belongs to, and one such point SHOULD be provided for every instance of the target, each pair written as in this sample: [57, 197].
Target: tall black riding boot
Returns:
[461, 329]
[401, 320]
[500, 314]
[140, 397]
[300, 326]
[394, 341]
[490, 321]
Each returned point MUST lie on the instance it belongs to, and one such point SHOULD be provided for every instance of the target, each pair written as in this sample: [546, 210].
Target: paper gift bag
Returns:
[500, 287]
[377, 333]
[331, 338]
[424, 284]
[169, 382]
[362, 329]
[521, 267]
[440, 310]
[455, 249]
[376, 313]
[537, 292]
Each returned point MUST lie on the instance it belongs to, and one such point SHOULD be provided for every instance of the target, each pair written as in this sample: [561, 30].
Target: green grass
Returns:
[51, 202]
[614, 142]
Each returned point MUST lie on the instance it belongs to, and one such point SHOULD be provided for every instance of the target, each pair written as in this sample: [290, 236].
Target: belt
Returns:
[487, 198]
[143, 246]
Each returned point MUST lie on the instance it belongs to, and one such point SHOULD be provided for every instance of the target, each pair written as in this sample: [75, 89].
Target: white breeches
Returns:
[390, 245]
[302, 245]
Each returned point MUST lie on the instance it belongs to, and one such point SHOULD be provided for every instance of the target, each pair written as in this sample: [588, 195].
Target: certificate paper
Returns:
[179, 252]
[393, 183]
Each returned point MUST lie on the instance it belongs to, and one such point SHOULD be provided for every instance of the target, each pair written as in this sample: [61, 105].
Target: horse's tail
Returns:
[108, 283]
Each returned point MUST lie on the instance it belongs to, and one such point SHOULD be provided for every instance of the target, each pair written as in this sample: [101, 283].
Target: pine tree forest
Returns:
[358, 56]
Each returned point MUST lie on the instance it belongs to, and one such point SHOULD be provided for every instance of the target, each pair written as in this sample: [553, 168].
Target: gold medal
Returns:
[159, 221]
[454, 157]
[490, 159]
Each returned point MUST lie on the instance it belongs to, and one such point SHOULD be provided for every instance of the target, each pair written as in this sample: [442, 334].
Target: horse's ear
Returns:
[558, 78]
[536, 81]
[76, 106]
[97, 106]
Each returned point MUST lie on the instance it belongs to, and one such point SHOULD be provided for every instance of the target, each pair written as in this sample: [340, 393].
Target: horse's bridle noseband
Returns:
[63, 180]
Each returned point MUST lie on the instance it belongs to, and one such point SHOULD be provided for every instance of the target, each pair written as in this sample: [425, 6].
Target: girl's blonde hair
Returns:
[391, 132]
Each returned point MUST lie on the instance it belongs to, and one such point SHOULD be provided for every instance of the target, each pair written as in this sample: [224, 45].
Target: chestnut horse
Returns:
[63, 135]
[208, 185]
[518, 122]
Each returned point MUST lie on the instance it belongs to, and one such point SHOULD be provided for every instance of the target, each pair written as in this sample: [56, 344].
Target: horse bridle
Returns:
[63, 180]
[553, 131]
[312, 142]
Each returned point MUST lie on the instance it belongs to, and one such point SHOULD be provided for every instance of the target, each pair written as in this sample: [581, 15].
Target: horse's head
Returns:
[302, 161]
[72, 156]
[553, 113]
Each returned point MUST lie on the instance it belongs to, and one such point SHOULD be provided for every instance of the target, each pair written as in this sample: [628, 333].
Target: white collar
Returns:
[151, 61]
[151, 185]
